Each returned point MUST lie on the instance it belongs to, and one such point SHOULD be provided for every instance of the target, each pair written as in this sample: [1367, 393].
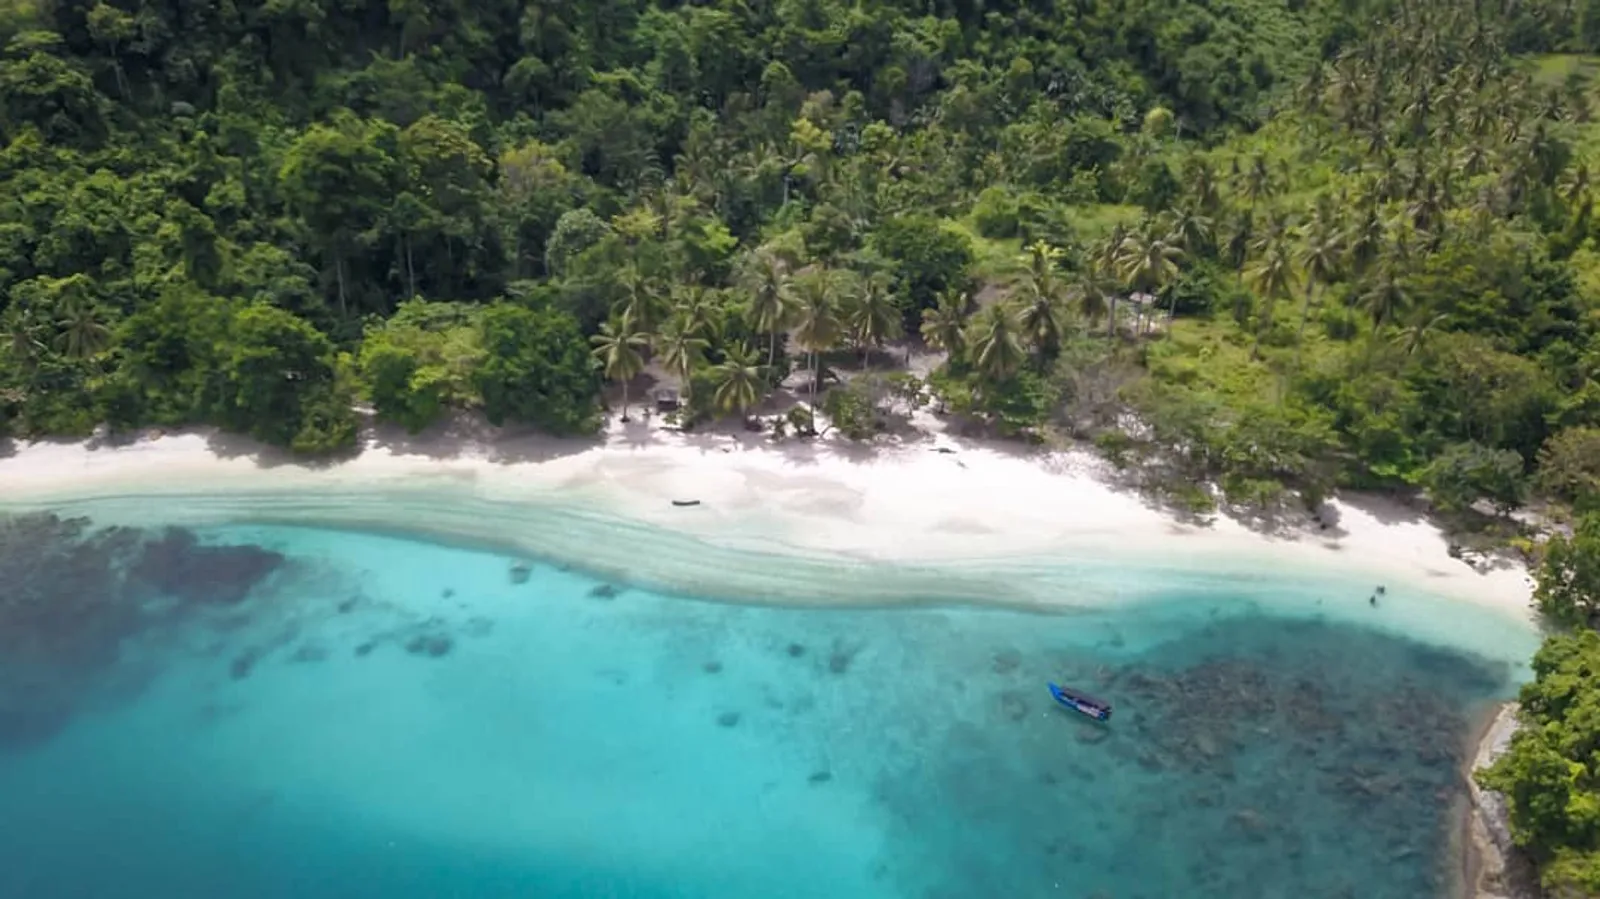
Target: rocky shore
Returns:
[1495, 869]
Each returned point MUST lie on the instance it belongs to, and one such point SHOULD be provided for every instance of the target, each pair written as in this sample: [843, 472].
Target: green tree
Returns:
[619, 348]
[943, 325]
[765, 279]
[336, 177]
[994, 343]
[870, 315]
[738, 380]
[1568, 579]
[817, 326]
[537, 369]
[682, 351]
[276, 382]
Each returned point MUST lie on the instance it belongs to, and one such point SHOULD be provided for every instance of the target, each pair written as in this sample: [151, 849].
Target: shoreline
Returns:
[1491, 868]
[932, 510]
[963, 521]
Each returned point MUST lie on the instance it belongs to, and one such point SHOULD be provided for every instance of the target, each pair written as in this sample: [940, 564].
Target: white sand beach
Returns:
[823, 509]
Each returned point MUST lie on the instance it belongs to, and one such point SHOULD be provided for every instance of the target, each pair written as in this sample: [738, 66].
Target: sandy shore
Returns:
[934, 505]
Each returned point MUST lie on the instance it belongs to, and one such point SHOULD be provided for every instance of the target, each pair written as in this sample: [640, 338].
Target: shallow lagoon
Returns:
[385, 717]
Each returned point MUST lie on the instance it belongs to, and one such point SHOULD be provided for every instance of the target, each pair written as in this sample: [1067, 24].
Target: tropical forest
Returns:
[1270, 247]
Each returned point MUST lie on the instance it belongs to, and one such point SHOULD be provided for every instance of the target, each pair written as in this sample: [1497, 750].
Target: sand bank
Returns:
[818, 512]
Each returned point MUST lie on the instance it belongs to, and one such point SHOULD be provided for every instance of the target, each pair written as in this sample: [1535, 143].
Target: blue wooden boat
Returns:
[1081, 702]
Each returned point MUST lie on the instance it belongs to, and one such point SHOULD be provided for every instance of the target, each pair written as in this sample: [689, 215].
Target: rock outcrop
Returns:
[1496, 869]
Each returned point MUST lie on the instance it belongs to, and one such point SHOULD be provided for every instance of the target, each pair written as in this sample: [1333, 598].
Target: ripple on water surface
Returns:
[379, 717]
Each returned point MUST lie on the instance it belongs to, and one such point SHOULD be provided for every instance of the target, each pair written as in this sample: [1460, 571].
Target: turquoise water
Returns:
[337, 714]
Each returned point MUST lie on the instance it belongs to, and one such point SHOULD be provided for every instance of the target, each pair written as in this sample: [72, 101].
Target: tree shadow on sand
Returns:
[462, 435]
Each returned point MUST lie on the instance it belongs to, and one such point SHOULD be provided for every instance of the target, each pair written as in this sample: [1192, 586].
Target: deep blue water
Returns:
[389, 718]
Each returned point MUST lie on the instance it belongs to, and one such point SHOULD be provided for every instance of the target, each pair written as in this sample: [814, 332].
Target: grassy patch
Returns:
[1555, 68]
[1096, 221]
[994, 259]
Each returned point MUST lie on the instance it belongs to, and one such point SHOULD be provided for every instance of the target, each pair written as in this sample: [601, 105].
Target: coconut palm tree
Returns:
[1319, 258]
[1190, 230]
[82, 333]
[996, 344]
[696, 312]
[870, 315]
[766, 279]
[1386, 297]
[24, 336]
[1097, 295]
[1040, 309]
[942, 324]
[738, 380]
[618, 347]
[1367, 241]
[817, 326]
[641, 301]
[1150, 262]
[1273, 279]
[1416, 333]
[682, 350]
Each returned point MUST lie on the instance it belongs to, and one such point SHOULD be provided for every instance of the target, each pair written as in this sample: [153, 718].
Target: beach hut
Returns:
[667, 400]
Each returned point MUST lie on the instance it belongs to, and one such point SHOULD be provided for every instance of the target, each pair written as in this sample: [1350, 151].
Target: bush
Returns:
[1567, 587]
[995, 213]
[1465, 472]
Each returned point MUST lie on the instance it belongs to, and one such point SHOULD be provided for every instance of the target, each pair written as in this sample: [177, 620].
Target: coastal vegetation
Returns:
[1260, 245]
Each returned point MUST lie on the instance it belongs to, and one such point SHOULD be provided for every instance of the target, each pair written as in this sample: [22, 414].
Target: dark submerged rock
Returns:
[431, 645]
[1013, 706]
[712, 667]
[178, 565]
[309, 653]
[365, 649]
[520, 573]
[242, 665]
[842, 655]
[728, 719]
[1006, 661]
[795, 650]
[604, 591]
[820, 777]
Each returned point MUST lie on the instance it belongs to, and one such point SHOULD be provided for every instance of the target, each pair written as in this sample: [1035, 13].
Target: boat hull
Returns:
[1087, 706]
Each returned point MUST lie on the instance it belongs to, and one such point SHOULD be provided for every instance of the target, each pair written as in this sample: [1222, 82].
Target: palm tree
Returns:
[996, 347]
[1040, 311]
[1097, 296]
[1150, 262]
[694, 309]
[1202, 179]
[1257, 180]
[618, 349]
[23, 336]
[870, 314]
[640, 302]
[1416, 333]
[1190, 230]
[682, 351]
[764, 276]
[82, 333]
[738, 379]
[1320, 260]
[942, 324]
[1367, 241]
[1386, 297]
[1273, 278]
[817, 325]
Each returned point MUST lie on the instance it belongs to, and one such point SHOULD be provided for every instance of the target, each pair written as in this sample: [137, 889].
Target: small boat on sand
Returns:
[686, 502]
[1081, 702]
